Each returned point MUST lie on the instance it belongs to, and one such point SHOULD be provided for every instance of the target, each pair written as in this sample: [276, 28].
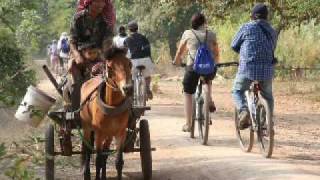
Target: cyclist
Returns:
[118, 41]
[54, 56]
[256, 42]
[189, 44]
[64, 49]
[88, 26]
[139, 51]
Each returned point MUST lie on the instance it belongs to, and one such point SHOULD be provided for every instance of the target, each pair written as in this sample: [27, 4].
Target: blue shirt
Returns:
[256, 50]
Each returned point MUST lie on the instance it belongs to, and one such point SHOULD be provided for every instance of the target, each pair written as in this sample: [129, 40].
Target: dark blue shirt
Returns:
[256, 50]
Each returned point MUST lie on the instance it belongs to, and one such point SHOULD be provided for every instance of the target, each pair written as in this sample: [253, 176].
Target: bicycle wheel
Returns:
[245, 137]
[193, 118]
[265, 131]
[49, 150]
[139, 92]
[206, 117]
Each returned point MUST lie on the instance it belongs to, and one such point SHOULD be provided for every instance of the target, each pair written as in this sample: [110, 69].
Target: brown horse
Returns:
[106, 113]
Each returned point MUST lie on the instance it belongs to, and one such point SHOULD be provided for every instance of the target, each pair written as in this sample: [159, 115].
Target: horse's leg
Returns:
[86, 153]
[106, 148]
[119, 160]
[100, 158]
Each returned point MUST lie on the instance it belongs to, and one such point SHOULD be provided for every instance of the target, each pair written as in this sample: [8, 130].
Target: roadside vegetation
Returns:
[27, 27]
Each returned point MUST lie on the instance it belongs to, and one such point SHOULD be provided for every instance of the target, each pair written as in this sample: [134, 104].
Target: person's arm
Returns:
[216, 51]
[148, 47]
[238, 40]
[182, 49]
[74, 33]
[214, 47]
[180, 52]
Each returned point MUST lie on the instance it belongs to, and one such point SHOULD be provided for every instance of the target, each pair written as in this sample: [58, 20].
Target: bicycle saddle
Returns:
[141, 67]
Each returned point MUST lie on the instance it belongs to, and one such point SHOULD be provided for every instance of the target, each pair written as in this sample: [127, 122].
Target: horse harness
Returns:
[101, 88]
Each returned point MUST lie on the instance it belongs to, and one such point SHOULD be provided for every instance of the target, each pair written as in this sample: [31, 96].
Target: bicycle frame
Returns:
[139, 89]
[253, 104]
[199, 101]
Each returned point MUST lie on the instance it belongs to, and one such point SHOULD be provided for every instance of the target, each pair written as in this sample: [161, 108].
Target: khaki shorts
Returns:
[147, 62]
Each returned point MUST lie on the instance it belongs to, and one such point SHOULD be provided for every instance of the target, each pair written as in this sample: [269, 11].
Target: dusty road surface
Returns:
[296, 154]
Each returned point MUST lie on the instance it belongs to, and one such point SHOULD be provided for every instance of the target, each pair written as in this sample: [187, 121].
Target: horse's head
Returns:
[119, 69]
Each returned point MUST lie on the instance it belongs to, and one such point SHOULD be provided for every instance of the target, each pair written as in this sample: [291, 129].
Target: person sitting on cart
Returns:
[88, 26]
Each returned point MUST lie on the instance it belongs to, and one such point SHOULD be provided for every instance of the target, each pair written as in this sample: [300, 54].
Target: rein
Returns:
[109, 82]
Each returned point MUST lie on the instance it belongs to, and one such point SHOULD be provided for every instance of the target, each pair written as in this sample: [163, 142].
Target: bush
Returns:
[15, 77]
[299, 46]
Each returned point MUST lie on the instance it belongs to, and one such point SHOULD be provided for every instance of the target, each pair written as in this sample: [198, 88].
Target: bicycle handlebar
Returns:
[227, 64]
[219, 65]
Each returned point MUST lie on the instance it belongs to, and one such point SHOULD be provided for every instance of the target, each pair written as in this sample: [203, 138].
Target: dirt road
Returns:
[296, 154]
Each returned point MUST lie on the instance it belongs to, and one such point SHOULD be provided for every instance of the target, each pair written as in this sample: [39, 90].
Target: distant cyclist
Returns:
[64, 49]
[139, 51]
[54, 56]
[256, 42]
[189, 45]
[118, 40]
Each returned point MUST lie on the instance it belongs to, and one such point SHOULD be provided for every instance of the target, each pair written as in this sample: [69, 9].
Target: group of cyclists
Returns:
[58, 52]
[92, 33]
[255, 42]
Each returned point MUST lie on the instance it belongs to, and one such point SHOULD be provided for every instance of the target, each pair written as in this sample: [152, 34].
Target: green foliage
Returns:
[3, 150]
[297, 46]
[20, 160]
[15, 77]
[20, 171]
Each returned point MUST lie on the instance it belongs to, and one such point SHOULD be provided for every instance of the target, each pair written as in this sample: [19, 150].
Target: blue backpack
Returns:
[203, 61]
[65, 48]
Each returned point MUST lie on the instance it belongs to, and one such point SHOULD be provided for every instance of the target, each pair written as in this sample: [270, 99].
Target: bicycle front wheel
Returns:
[265, 131]
[193, 120]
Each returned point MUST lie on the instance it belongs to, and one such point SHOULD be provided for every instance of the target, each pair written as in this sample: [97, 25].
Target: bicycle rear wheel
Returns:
[265, 131]
[245, 137]
[204, 124]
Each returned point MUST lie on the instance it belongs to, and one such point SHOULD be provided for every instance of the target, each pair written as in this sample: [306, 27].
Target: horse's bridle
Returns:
[110, 82]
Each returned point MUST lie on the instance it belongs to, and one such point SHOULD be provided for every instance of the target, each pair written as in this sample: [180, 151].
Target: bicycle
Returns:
[140, 97]
[201, 101]
[261, 122]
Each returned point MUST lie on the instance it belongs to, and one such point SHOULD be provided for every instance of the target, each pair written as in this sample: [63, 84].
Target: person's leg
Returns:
[266, 92]
[212, 106]
[190, 82]
[241, 84]
[77, 81]
[188, 111]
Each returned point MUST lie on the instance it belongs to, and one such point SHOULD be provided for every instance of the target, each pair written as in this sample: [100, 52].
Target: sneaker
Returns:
[186, 128]
[244, 119]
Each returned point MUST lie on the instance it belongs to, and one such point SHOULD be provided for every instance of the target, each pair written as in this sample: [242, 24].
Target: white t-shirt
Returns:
[118, 41]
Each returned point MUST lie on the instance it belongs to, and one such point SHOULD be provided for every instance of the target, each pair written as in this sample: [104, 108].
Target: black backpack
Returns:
[138, 45]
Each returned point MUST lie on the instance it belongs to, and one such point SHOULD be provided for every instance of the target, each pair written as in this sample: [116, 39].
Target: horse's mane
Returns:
[114, 52]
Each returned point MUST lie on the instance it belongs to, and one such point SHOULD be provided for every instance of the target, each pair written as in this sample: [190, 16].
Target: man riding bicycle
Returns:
[256, 42]
[190, 44]
[139, 51]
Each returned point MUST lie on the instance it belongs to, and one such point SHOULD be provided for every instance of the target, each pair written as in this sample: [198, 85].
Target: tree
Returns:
[15, 77]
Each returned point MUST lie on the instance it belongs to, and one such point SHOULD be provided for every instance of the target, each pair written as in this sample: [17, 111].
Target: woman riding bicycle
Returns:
[189, 44]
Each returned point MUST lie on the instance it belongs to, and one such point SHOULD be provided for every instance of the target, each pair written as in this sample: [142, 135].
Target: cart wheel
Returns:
[49, 150]
[145, 150]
